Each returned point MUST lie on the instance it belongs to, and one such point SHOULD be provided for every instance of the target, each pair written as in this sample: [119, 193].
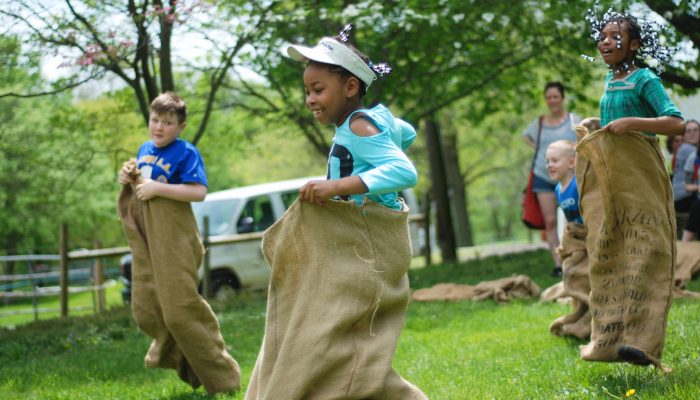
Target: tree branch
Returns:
[51, 92]
[471, 88]
[221, 72]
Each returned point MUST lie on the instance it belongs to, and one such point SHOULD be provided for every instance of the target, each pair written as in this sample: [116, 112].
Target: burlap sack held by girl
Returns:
[336, 304]
[631, 242]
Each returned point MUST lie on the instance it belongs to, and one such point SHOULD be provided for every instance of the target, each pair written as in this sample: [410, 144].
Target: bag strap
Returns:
[537, 143]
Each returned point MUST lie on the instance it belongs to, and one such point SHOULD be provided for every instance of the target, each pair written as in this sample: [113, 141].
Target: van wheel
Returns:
[224, 286]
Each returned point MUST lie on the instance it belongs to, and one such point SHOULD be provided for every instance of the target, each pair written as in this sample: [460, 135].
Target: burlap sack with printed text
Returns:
[336, 303]
[627, 205]
[166, 253]
[576, 284]
[687, 266]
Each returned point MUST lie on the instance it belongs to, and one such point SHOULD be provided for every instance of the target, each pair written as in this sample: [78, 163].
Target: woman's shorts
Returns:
[540, 185]
[693, 222]
[683, 205]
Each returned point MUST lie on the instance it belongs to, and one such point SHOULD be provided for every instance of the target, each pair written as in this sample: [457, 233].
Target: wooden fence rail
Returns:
[64, 275]
[98, 254]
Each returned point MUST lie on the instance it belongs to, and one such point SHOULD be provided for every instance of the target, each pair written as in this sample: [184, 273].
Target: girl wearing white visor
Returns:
[367, 158]
[339, 256]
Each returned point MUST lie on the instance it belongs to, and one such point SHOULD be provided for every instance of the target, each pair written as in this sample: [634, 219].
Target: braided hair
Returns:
[645, 31]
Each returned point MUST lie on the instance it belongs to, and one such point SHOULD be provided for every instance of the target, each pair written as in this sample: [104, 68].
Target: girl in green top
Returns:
[634, 100]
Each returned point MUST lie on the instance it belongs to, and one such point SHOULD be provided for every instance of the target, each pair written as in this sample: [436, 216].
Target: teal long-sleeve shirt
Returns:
[378, 160]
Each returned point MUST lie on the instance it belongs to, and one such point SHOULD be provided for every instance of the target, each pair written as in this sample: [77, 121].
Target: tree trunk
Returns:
[445, 230]
[167, 82]
[457, 192]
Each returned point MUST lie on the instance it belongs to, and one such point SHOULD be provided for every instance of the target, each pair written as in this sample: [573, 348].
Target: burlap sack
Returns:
[575, 283]
[627, 205]
[336, 303]
[501, 290]
[555, 293]
[167, 251]
[687, 266]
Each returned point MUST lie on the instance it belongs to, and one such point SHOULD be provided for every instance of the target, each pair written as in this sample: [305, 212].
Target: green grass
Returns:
[86, 299]
[461, 350]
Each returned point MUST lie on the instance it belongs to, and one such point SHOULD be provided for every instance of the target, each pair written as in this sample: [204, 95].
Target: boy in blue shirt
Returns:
[561, 159]
[154, 206]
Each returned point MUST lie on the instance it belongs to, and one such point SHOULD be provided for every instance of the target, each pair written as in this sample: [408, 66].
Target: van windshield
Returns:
[220, 213]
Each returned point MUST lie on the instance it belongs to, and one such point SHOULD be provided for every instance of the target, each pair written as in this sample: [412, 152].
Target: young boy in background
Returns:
[561, 162]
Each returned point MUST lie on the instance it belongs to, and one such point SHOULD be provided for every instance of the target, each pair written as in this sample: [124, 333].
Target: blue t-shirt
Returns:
[568, 201]
[378, 160]
[178, 162]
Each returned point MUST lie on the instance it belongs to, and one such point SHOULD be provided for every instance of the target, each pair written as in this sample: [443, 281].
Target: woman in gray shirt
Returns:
[557, 124]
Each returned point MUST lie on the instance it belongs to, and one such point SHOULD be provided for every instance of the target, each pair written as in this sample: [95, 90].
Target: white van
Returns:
[247, 211]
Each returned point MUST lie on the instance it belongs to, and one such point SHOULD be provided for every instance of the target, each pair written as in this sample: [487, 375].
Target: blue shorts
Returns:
[540, 185]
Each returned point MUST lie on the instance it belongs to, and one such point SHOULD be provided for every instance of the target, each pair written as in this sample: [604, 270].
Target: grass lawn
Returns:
[462, 350]
[85, 301]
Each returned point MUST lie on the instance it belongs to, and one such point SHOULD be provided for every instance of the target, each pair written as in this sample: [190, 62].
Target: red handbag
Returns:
[532, 213]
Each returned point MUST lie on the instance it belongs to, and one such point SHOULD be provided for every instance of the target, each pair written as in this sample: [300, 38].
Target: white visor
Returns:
[331, 51]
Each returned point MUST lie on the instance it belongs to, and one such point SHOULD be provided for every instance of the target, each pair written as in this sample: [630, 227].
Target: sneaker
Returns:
[633, 355]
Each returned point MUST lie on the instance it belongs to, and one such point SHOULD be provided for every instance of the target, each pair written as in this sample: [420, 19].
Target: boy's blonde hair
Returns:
[567, 146]
[591, 123]
[170, 103]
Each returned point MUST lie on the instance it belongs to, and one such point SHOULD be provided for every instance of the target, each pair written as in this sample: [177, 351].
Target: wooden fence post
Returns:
[206, 278]
[63, 251]
[99, 279]
[35, 305]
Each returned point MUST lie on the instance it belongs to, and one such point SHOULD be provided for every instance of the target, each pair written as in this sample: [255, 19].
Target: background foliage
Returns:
[475, 68]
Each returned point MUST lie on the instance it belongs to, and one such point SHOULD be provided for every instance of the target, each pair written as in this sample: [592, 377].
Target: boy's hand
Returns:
[318, 191]
[147, 189]
[129, 173]
[125, 176]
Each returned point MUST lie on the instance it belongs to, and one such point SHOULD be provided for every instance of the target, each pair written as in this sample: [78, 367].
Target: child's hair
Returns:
[344, 72]
[670, 140]
[555, 84]
[170, 103]
[568, 146]
[645, 31]
[591, 123]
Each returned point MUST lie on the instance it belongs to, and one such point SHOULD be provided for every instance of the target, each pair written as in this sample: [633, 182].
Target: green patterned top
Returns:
[639, 94]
